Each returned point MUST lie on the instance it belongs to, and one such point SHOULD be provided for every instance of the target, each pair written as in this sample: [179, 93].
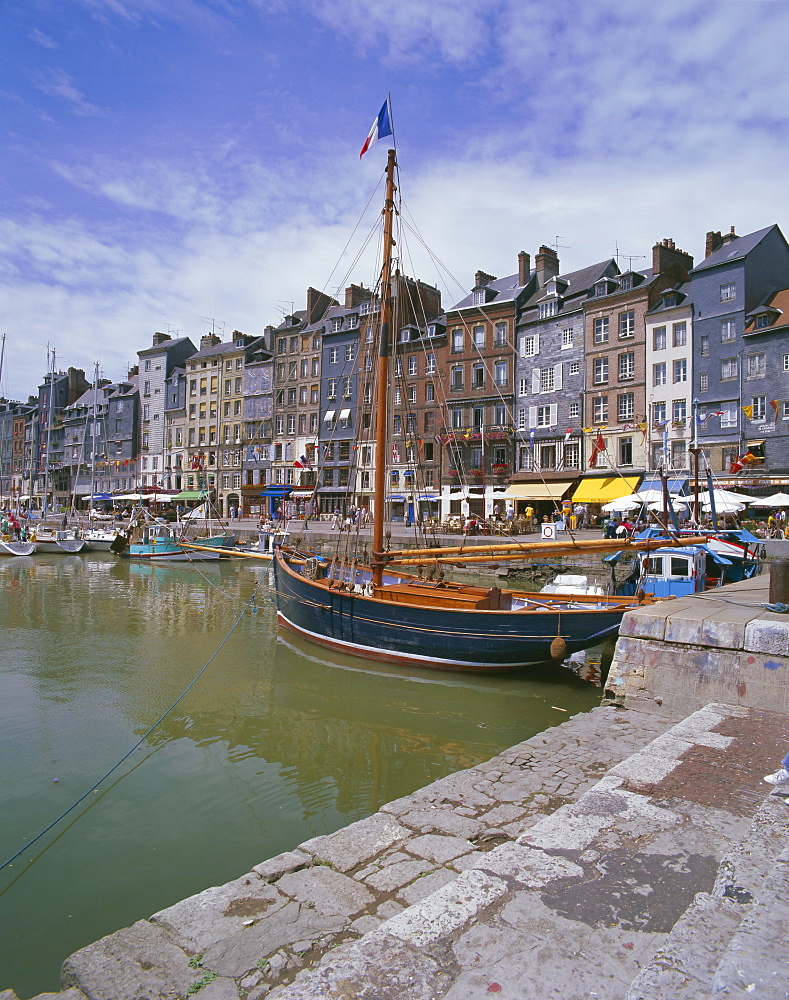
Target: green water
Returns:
[277, 742]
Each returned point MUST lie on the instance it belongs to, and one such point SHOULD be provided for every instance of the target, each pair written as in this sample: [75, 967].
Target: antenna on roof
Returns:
[214, 324]
[629, 257]
[281, 303]
[556, 245]
[171, 331]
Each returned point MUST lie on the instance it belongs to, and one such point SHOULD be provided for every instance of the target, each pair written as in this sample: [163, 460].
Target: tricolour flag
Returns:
[382, 126]
[302, 463]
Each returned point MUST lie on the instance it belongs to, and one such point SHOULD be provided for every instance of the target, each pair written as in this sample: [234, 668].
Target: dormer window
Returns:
[669, 300]
[352, 321]
[548, 309]
[761, 321]
[336, 324]
[478, 297]
[431, 330]
[601, 288]
[626, 282]
[405, 336]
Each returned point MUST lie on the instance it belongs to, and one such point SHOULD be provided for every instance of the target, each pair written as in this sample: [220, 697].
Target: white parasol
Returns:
[776, 500]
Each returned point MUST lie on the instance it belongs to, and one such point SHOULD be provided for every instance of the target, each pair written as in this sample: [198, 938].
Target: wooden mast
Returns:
[381, 421]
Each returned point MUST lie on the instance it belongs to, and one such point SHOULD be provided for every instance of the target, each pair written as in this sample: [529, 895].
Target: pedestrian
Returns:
[336, 523]
[529, 515]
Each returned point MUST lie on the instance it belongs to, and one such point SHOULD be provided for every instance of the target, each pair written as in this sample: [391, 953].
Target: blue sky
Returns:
[170, 161]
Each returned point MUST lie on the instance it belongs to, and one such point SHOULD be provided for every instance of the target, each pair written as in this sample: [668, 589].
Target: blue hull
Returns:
[435, 637]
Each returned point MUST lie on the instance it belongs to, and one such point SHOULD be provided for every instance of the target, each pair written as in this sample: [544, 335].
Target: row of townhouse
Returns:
[525, 385]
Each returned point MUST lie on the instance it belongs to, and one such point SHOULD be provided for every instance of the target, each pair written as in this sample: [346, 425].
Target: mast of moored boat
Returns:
[381, 414]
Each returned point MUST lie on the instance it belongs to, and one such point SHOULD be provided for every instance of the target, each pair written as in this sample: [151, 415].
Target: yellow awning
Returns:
[537, 491]
[602, 489]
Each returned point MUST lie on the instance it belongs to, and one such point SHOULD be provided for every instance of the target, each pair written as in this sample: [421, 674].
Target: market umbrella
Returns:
[621, 504]
[724, 495]
[776, 500]
[723, 507]
[678, 503]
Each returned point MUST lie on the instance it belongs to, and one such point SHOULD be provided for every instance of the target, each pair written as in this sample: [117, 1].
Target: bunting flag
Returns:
[748, 458]
[568, 431]
[748, 411]
[587, 430]
[735, 466]
[597, 448]
[643, 428]
[775, 403]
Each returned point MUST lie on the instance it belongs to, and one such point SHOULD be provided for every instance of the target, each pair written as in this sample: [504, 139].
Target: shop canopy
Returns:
[189, 495]
[603, 489]
[536, 491]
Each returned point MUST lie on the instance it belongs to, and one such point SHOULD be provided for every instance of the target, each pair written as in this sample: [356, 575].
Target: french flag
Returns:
[382, 126]
[303, 463]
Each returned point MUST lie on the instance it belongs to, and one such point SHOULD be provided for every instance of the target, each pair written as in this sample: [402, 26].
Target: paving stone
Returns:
[138, 961]
[443, 821]
[422, 887]
[328, 891]
[358, 843]
[290, 861]
[199, 922]
[219, 989]
[396, 876]
[439, 849]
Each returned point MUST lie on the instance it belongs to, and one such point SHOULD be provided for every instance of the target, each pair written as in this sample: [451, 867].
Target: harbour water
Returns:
[275, 743]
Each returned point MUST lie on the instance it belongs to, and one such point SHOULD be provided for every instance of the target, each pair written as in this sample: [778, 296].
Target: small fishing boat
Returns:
[157, 545]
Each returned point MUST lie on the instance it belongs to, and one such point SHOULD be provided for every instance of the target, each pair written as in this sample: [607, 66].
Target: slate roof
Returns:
[507, 290]
[734, 250]
[578, 282]
[682, 292]
[165, 345]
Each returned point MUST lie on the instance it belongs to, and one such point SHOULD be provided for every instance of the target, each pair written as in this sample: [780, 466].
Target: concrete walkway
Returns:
[558, 869]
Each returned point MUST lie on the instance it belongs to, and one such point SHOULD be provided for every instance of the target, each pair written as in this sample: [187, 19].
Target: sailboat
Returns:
[379, 611]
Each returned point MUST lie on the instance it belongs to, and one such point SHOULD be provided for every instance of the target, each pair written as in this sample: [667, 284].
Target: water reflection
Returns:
[277, 742]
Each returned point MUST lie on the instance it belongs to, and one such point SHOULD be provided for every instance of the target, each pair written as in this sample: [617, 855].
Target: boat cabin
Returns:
[673, 572]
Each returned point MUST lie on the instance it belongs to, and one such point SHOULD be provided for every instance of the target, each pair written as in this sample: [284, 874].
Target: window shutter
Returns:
[536, 343]
[557, 378]
[532, 416]
[535, 380]
[553, 416]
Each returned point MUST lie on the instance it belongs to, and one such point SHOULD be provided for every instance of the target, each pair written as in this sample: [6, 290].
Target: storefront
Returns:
[594, 491]
[545, 499]
[272, 501]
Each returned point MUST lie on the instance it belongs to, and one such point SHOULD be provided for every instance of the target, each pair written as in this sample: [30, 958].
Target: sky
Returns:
[189, 165]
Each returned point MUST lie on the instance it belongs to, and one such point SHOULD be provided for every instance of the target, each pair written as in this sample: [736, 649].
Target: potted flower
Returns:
[499, 468]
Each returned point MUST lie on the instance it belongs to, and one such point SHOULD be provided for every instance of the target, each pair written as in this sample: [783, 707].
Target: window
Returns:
[680, 370]
[305, 368]
[336, 324]
[331, 388]
[397, 424]
[479, 338]
[627, 366]
[500, 335]
[728, 330]
[292, 396]
[412, 394]
[457, 341]
[659, 374]
[659, 338]
[728, 291]
[601, 330]
[626, 406]
[567, 338]
[398, 397]
[678, 457]
[575, 367]
[547, 309]
[430, 364]
[352, 321]
[679, 410]
[500, 373]
[346, 386]
[334, 355]
[316, 364]
[547, 380]
[456, 377]
[759, 404]
[762, 320]
[547, 456]
[412, 367]
[626, 282]
[755, 365]
[786, 362]
[544, 416]
[291, 423]
[523, 387]
[350, 350]
[457, 417]
[600, 371]
[500, 415]
[626, 451]
[600, 409]
[704, 346]
[730, 368]
[530, 345]
[729, 415]
[680, 334]
[430, 392]
[704, 382]
[785, 410]
[478, 297]
[658, 413]
[627, 324]
[572, 455]
[574, 411]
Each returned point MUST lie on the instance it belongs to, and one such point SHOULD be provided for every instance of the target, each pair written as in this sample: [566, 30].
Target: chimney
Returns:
[524, 267]
[480, 278]
[713, 242]
[209, 340]
[546, 265]
[666, 258]
[354, 294]
[159, 338]
[133, 371]
[317, 304]
[731, 235]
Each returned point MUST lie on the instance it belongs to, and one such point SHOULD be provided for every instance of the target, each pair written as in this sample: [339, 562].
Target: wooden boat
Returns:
[379, 612]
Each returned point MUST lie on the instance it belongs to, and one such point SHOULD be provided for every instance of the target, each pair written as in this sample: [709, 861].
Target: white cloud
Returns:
[57, 83]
